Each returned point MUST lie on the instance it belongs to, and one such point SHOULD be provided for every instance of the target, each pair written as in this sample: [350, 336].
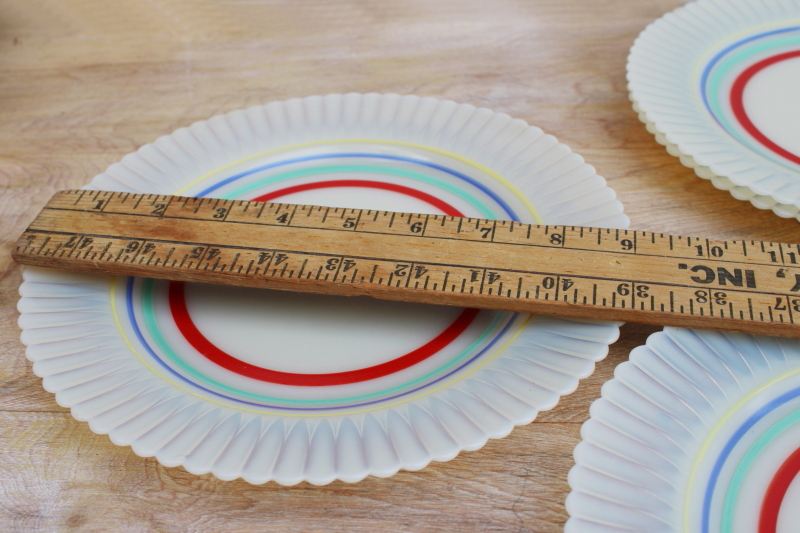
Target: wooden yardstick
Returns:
[569, 271]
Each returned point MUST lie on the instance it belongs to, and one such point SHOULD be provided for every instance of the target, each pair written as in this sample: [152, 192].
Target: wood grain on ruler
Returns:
[569, 271]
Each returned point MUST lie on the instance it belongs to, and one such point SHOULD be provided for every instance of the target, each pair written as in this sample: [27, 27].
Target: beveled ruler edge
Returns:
[436, 259]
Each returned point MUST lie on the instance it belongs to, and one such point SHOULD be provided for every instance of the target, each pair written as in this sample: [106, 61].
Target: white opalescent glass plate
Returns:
[267, 385]
[699, 431]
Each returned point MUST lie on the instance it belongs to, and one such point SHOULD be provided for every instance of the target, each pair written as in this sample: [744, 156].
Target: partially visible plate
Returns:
[716, 82]
[699, 431]
[271, 386]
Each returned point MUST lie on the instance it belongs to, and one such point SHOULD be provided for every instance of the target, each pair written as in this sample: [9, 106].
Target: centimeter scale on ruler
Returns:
[579, 272]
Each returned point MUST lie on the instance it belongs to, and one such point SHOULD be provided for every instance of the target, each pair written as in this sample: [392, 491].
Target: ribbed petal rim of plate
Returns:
[76, 348]
[666, 69]
[689, 436]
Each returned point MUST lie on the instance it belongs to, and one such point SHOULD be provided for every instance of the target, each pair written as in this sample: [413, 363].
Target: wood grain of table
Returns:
[84, 82]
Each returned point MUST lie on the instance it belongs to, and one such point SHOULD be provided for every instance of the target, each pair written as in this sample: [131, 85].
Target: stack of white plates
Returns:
[718, 83]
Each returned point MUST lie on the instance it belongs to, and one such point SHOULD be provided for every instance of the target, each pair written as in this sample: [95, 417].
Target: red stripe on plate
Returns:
[737, 105]
[444, 207]
[773, 498]
[180, 313]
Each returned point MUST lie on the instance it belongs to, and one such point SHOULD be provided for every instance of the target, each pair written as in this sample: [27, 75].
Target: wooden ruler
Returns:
[570, 271]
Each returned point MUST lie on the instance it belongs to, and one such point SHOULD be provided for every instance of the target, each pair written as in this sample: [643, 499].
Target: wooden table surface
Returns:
[83, 82]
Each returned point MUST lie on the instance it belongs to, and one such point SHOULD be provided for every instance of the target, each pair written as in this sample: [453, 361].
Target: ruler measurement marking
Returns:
[166, 206]
[483, 278]
[225, 213]
[302, 268]
[291, 216]
[400, 260]
[558, 286]
[424, 228]
[169, 254]
[476, 240]
[47, 239]
[358, 219]
[105, 249]
[233, 263]
[338, 265]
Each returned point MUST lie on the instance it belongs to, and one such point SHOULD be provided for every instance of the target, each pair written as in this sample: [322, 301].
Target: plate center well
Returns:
[307, 333]
[772, 102]
[311, 333]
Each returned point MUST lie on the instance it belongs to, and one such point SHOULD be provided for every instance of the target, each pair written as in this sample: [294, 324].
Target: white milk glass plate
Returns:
[267, 385]
[716, 82]
[699, 431]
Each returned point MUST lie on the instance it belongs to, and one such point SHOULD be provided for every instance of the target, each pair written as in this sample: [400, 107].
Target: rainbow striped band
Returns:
[723, 80]
[169, 360]
[772, 499]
